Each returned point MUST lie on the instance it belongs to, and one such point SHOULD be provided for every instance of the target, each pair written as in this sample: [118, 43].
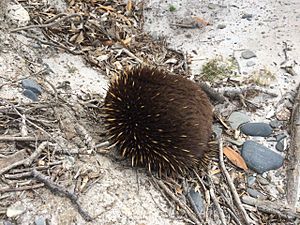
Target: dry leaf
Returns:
[202, 21]
[129, 6]
[107, 8]
[235, 158]
[79, 38]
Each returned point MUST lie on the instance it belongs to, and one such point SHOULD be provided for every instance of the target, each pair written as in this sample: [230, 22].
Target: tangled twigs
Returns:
[62, 191]
[28, 161]
[47, 24]
[236, 197]
[27, 138]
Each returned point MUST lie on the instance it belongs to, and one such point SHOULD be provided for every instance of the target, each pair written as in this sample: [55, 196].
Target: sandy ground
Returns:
[122, 195]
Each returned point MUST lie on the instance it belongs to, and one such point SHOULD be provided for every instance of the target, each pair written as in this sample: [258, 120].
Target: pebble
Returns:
[257, 129]
[254, 193]
[260, 158]
[5, 222]
[40, 221]
[238, 118]
[198, 200]
[221, 26]
[237, 142]
[280, 146]
[275, 124]
[283, 115]
[17, 14]
[251, 180]
[248, 54]
[217, 130]
[15, 210]
[279, 137]
[250, 63]
[247, 16]
[31, 95]
[32, 85]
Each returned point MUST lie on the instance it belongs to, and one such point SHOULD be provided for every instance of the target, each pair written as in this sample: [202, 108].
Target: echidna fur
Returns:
[160, 120]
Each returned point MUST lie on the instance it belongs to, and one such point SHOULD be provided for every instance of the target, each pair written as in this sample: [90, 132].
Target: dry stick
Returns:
[214, 199]
[58, 189]
[275, 208]
[45, 25]
[132, 55]
[188, 211]
[13, 138]
[35, 186]
[233, 91]
[293, 171]
[231, 185]
[28, 161]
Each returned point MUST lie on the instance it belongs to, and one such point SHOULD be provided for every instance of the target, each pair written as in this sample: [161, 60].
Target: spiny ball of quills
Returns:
[160, 120]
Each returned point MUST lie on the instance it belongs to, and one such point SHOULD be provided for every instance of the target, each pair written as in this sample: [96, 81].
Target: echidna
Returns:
[160, 120]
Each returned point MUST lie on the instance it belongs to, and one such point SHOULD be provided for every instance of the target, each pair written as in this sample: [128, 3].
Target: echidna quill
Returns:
[160, 120]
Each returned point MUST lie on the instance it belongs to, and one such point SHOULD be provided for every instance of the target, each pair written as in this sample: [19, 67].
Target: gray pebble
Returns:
[247, 16]
[260, 158]
[40, 221]
[238, 118]
[32, 85]
[275, 123]
[279, 137]
[197, 199]
[250, 63]
[31, 95]
[221, 26]
[257, 129]
[251, 180]
[248, 54]
[280, 146]
[235, 142]
[254, 193]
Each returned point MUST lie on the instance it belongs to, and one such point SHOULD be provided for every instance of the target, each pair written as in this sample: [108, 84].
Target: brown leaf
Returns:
[79, 38]
[107, 8]
[129, 6]
[200, 20]
[235, 158]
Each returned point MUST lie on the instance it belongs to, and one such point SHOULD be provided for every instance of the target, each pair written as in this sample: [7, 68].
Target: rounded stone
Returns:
[30, 94]
[238, 118]
[198, 200]
[257, 129]
[280, 146]
[260, 158]
[32, 85]
[248, 54]
[254, 193]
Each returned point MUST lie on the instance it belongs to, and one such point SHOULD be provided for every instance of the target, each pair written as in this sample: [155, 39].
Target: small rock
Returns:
[31, 95]
[18, 15]
[254, 193]
[238, 118]
[257, 129]
[32, 85]
[5, 222]
[212, 6]
[15, 210]
[217, 130]
[248, 54]
[275, 124]
[280, 146]
[279, 137]
[283, 115]
[251, 180]
[250, 63]
[260, 158]
[40, 221]
[247, 16]
[221, 26]
[198, 200]
[237, 142]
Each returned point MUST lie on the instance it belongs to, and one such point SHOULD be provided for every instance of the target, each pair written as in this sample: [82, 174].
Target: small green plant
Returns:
[172, 8]
[218, 68]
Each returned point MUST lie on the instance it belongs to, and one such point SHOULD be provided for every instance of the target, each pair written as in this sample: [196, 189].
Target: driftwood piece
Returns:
[293, 169]
[276, 208]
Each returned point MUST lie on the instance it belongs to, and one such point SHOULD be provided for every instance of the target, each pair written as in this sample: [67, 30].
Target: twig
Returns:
[58, 189]
[275, 208]
[28, 161]
[236, 197]
[233, 91]
[35, 186]
[214, 199]
[187, 210]
[45, 25]
[132, 55]
[13, 138]
[293, 171]
[212, 94]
